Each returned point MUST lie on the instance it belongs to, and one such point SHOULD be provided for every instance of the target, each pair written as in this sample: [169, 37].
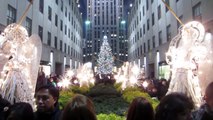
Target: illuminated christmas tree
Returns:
[105, 58]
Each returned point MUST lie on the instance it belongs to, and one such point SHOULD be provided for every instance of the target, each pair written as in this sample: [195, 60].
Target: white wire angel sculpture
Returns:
[187, 52]
[23, 53]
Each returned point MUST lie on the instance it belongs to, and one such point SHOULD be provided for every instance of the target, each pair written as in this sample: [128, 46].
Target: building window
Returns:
[11, 15]
[72, 5]
[144, 47]
[69, 33]
[40, 32]
[168, 32]
[65, 48]
[159, 12]
[141, 49]
[143, 11]
[61, 45]
[69, 16]
[65, 11]
[160, 37]
[61, 25]
[69, 50]
[56, 42]
[197, 12]
[41, 6]
[167, 2]
[56, 20]
[153, 41]
[29, 25]
[138, 36]
[149, 45]
[49, 13]
[147, 4]
[140, 32]
[144, 31]
[49, 38]
[147, 24]
[65, 31]
[62, 5]
[153, 18]
[178, 23]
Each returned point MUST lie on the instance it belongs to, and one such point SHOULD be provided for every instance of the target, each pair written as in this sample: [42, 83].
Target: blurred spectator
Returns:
[162, 88]
[205, 112]
[174, 106]
[140, 109]
[47, 103]
[51, 81]
[79, 108]
[20, 111]
[41, 80]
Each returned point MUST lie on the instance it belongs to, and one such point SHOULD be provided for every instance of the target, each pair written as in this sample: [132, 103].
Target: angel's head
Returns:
[16, 34]
[193, 31]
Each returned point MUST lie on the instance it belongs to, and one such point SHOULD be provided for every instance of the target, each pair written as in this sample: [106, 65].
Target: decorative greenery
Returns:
[80, 90]
[110, 117]
[118, 87]
[131, 93]
[103, 89]
[65, 97]
[111, 102]
[67, 94]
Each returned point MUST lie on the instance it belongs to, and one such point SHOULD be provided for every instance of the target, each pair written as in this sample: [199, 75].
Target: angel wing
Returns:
[32, 51]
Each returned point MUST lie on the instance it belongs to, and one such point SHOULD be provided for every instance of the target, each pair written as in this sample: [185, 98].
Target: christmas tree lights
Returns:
[105, 60]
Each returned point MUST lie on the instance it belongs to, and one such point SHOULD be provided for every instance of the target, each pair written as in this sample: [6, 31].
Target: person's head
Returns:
[20, 111]
[209, 95]
[46, 98]
[79, 108]
[174, 106]
[140, 109]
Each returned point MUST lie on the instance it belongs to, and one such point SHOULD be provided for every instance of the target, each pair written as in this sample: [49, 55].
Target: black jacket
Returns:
[55, 115]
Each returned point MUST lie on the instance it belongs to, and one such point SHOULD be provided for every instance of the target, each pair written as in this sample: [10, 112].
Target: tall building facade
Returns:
[152, 26]
[105, 17]
[59, 25]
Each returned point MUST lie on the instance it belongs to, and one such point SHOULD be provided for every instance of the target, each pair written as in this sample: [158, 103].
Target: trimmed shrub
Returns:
[110, 117]
[64, 98]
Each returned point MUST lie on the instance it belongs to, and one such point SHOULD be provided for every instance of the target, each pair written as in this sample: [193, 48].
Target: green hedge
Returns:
[110, 117]
[109, 101]
[67, 94]
[65, 97]
[131, 93]
[110, 104]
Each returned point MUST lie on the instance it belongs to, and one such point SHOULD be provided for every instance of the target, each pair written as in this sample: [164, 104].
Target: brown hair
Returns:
[140, 109]
[79, 108]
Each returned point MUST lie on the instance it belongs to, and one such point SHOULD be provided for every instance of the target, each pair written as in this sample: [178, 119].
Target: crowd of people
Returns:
[174, 106]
